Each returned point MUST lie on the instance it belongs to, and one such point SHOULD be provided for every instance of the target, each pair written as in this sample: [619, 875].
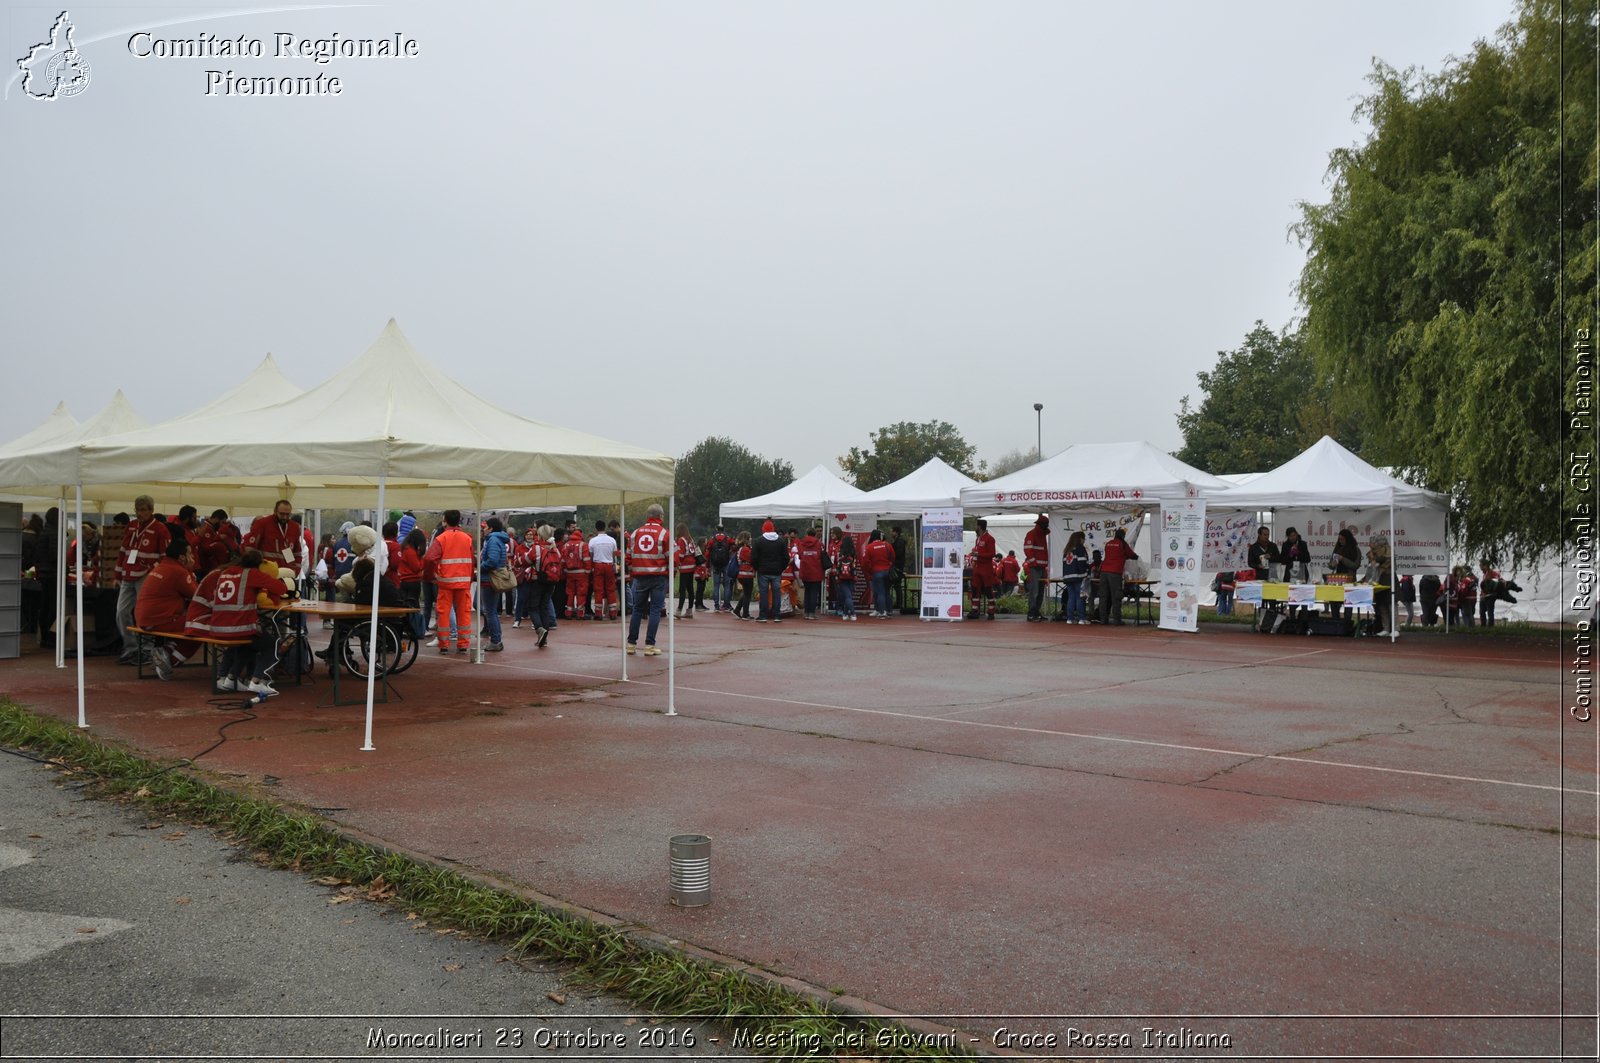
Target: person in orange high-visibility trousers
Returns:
[450, 558]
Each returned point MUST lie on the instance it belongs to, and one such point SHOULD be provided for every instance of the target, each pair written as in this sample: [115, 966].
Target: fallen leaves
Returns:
[558, 998]
[86, 930]
[452, 967]
[183, 900]
[174, 836]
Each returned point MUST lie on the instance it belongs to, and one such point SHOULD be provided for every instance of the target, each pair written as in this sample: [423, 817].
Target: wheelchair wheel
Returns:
[355, 651]
[405, 654]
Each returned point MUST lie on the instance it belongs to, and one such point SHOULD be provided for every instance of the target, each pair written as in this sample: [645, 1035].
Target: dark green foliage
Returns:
[1455, 263]
[718, 470]
[903, 448]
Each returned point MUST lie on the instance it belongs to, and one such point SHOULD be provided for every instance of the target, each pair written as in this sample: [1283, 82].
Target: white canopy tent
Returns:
[389, 424]
[1326, 476]
[808, 496]
[935, 485]
[1092, 475]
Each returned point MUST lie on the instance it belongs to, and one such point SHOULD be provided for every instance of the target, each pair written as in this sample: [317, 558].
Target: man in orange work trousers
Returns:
[450, 560]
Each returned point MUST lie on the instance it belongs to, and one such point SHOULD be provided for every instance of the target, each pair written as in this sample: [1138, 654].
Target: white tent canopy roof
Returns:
[1325, 475]
[808, 496]
[1100, 475]
[265, 386]
[388, 414]
[58, 428]
[933, 486]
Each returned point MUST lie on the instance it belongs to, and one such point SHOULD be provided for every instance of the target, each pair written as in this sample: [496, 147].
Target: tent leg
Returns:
[622, 581]
[83, 720]
[372, 633]
[672, 617]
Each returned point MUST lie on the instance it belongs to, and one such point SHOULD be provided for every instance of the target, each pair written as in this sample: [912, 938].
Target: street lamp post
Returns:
[1038, 419]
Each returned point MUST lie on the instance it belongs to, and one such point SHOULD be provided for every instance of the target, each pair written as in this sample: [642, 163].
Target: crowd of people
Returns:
[201, 577]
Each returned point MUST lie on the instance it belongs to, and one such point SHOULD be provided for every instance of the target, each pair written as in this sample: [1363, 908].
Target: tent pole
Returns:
[375, 652]
[622, 581]
[475, 604]
[1394, 580]
[61, 578]
[672, 617]
[1444, 587]
[77, 628]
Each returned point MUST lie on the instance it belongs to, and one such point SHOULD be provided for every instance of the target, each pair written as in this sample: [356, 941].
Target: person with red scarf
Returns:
[984, 577]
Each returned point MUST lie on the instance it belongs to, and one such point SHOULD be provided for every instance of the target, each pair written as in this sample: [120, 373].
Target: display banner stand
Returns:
[941, 564]
[1183, 541]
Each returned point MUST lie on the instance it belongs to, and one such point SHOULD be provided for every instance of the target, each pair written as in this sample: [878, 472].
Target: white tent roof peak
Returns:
[1093, 474]
[265, 386]
[1326, 474]
[60, 425]
[807, 496]
[933, 485]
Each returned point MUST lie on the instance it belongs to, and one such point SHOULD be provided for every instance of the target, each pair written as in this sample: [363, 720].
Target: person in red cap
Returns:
[1036, 565]
[984, 577]
[769, 555]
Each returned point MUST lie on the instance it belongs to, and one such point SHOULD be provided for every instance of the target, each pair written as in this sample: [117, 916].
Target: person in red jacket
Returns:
[984, 577]
[1117, 555]
[224, 607]
[163, 605]
[746, 577]
[144, 542]
[1010, 572]
[279, 538]
[649, 549]
[575, 556]
[813, 566]
[409, 575]
[1036, 565]
[879, 563]
[220, 542]
[685, 556]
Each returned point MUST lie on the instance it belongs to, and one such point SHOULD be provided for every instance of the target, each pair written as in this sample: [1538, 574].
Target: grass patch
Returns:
[601, 957]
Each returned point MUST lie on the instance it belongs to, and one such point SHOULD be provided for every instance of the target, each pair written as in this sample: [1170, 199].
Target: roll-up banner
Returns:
[1183, 543]
[941, 564]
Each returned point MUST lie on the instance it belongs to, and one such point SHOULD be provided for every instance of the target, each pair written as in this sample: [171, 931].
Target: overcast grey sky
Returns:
[789, 223]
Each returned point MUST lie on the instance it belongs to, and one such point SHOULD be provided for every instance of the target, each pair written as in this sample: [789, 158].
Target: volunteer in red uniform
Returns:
[1115, 559]
[279, 538]
[810, 553]
[984, 577]
[684, 558]
[878, 561]
[648, 550]
[224, 607]
[144, 542]
[163, 605]
[1036, 565]
[220, 542]
[575, 557]
[746, 575]
[451, 560]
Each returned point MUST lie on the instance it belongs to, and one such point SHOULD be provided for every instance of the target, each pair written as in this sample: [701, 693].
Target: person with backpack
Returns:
[718, 551]
[702, 575]
[844, 578]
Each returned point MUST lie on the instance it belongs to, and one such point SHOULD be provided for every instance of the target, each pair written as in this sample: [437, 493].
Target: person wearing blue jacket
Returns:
[496, 554]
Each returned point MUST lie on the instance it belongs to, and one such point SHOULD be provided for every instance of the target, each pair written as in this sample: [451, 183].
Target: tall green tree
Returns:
[905, 447]
[718, 470]
[1438, 272]
[1263, 405]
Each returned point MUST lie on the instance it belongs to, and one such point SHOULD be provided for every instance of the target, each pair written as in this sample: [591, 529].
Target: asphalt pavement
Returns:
[123, 935]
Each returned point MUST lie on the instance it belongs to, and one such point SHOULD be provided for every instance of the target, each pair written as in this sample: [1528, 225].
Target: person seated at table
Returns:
[163, 605]
[1263, 553]
[361, 578]
[1346, 558]
[225, 607]
[1295, 556]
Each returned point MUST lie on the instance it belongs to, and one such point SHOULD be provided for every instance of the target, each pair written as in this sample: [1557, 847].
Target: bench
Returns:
[213, 658]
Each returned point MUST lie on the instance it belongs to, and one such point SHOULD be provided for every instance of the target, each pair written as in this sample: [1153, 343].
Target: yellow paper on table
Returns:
[1330, 592]
[1274, 592]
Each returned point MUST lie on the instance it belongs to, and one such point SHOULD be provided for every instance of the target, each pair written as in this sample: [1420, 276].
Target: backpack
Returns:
[719, 551]
[551, 568]
[732, 569]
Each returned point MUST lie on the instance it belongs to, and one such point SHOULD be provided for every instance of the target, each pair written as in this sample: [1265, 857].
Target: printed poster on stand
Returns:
[1183, 543]
[941, 564]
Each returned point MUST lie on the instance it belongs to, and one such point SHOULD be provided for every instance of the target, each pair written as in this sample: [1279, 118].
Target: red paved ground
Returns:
[1001, 818]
